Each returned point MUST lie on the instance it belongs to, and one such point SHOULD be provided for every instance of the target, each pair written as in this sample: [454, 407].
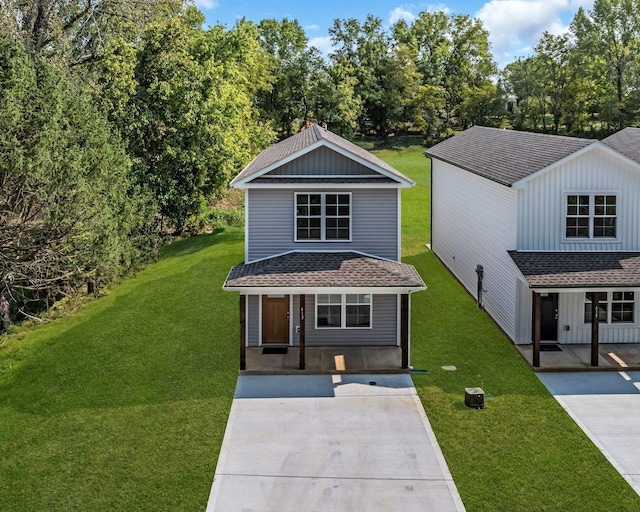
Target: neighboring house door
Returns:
[549, 327]
[275, 319]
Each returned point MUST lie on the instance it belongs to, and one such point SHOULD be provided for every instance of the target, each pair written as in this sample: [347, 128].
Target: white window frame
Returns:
[591, 216]
[323, 217]
[343, 311]
[609, 306]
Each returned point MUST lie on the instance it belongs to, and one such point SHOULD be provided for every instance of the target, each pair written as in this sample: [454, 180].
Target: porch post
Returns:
[302, 332]
[404, 329]
[595, 327]
[537, 325]
[243, 332]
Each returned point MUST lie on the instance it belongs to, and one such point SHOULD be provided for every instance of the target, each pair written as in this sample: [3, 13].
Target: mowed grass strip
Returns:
[124, 405]
[522, 452]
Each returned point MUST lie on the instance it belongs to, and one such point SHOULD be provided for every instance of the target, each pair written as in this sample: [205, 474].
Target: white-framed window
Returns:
[322, 216]
[616, 307]
[591, 215]
[343, 311]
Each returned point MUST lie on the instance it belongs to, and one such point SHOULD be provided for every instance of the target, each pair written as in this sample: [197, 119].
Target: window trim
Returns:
[343, 312]
[323, 217]
[609, 302]
[591, 194]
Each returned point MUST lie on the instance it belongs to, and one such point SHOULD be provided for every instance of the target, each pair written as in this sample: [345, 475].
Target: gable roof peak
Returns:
[307, 140]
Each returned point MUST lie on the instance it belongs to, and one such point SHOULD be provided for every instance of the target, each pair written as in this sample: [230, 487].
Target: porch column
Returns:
[243, 332]
[537, 327]
[302, 332]
[595, 327]
[404, 329]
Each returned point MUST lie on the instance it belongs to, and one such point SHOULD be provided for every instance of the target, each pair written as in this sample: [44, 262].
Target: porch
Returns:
[324, 360]
[577, 357]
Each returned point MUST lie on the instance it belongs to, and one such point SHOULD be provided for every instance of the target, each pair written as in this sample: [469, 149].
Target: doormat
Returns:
[275, 350]
[550, 347]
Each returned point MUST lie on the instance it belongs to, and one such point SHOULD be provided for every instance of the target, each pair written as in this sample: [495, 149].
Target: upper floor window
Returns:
[613, 307]
[323, 217]
[591, 216]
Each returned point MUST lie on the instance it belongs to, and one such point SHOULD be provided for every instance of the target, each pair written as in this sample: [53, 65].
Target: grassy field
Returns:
[123, 406]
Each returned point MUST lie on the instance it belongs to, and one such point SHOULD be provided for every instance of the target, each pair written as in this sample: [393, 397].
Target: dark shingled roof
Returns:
[505, 156]
[324, 270]
[579, 269]
[627, 142]
[303, 139]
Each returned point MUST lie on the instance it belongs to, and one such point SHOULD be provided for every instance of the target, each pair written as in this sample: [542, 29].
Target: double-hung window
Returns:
[343, 311]
[614, 307]
[323, 217]
[591, 216]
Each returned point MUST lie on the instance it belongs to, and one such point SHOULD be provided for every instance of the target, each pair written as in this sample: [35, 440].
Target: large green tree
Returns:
[69, 214]
[183, 100]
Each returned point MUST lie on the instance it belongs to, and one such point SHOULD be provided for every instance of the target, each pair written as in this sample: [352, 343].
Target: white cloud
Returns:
[437, 8]
[207, 4]
[312, 27]
[515, 26]
[401, 13]
[321, 43]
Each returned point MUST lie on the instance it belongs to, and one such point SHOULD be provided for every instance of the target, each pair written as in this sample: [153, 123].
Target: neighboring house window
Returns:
[615, 307]
[343, 311]
[591, 216]
[323, 217]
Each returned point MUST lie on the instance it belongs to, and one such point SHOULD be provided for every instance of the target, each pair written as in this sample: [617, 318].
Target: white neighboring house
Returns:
[554, 224]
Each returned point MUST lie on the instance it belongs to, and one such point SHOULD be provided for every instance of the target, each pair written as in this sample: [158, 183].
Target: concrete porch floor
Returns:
[325, 360]
[612, 357]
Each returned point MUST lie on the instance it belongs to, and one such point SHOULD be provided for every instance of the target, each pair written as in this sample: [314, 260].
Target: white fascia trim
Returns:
[584, 289]
[591, 147]
[316, 290]
[275, 165]
[320, 251]
[323, 186]
[246, 225]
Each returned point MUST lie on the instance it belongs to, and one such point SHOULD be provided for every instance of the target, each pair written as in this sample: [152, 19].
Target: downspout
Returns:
[480, 272]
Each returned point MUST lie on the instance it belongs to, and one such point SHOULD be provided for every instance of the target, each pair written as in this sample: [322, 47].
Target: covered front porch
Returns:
[584, 309]
[324, 313]
[324, 360]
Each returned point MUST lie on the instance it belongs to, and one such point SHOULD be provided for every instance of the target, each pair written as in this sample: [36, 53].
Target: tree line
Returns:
[122, 120]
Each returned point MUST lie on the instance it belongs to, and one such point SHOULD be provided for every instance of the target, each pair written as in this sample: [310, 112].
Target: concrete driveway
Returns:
[330, 443]
[606, 405]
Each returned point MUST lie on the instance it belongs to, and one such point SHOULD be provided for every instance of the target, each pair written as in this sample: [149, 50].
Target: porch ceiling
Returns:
[579, 269]
[324, 270]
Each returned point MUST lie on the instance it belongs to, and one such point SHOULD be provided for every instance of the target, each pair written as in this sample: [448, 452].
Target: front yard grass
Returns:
[123, 406]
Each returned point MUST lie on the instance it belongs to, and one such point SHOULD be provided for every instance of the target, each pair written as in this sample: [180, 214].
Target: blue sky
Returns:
[515, 26]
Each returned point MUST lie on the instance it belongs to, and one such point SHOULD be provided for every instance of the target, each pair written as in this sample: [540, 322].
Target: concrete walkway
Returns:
[606, 405]
[330, 443]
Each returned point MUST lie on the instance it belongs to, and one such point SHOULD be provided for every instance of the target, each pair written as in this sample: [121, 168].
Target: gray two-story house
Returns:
[322, 249]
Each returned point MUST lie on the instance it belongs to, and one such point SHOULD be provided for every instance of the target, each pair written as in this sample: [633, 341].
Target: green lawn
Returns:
[123, 406]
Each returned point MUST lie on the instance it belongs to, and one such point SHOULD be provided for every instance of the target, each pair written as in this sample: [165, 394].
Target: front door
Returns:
[549, 314]
[275, 319]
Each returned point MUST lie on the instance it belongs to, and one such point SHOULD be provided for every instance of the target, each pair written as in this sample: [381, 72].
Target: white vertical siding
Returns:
[524, 308]
[271, 217]
[541, 212]
[571, 313]
[253, 320]
[474, 223]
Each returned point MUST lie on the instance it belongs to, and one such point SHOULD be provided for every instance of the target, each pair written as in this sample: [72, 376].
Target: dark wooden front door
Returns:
[549, 314]
[275, 319]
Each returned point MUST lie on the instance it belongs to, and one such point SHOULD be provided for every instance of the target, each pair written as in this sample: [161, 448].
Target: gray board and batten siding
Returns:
[383, 332]
[322, 162]
[270, 221]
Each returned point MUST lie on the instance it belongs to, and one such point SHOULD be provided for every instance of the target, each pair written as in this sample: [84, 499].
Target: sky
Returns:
[515, 26]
